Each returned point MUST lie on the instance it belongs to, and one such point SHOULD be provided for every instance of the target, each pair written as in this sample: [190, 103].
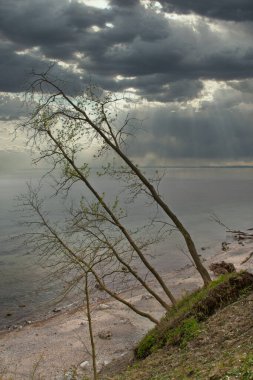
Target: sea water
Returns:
[194, 194]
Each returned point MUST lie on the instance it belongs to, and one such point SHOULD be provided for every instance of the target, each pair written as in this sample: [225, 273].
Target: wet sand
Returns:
[55, 348]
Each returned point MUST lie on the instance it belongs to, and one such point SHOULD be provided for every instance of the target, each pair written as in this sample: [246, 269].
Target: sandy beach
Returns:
[58, 347]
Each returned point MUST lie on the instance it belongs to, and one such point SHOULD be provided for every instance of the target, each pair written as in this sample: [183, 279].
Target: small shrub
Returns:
[182, 334]
[146, 344]
[189, 330]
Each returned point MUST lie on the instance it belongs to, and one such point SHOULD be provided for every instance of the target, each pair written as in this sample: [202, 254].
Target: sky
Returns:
[188, 65]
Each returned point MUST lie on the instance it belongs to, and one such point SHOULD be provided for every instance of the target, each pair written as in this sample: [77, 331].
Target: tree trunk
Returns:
[93, 348]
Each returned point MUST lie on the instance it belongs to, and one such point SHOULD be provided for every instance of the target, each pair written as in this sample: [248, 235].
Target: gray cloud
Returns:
[168, 59]
[16, 70]
[124, 4]
[163, 59]
[191, 135]
[183, 55]
[11, 108]
[48, 22]
[245, 87]
[233, 10]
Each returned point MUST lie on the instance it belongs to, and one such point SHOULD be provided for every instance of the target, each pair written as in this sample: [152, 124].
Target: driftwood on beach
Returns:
[237, 234]
[241, 235]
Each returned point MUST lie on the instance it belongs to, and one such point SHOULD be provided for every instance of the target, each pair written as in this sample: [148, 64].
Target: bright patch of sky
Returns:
[96, 3]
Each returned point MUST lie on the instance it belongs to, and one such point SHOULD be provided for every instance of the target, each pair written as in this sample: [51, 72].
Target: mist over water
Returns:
[194, 194]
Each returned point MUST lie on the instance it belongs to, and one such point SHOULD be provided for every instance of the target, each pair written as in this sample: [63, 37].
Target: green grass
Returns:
[242, 372]
[191, 299]
[185, 332]
[183, 321]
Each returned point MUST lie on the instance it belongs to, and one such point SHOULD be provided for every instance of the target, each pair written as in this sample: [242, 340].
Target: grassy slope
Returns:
[209, 335]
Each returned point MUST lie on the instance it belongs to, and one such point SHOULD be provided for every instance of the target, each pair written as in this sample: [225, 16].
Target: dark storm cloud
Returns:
[183, 54]
[16, 70]
[127, 46]
[153, 87]
[61, 29]
[179, 91]
[231, 10]
[164, 60]
[124, 4]
[157, 88]
[145, 45]
[48, 22]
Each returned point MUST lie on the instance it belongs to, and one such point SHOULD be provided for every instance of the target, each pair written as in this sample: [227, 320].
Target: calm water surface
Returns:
[193, 194]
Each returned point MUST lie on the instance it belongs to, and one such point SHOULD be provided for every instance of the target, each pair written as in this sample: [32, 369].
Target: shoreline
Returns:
[53, 307]
[58, 343]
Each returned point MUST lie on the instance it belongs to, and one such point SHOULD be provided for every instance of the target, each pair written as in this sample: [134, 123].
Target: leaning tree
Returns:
[61, 123]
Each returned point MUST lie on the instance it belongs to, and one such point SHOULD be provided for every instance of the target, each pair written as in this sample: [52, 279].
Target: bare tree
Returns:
[60, 146]
[94, 242]
[93, 347]
[96, 228]
[92, 115]
[68, 256]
